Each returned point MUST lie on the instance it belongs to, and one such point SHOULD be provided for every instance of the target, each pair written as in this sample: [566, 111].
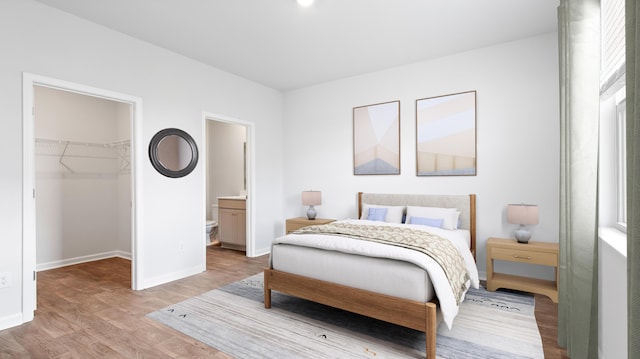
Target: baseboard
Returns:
[261, 252]
[82, 259]
[10, 321]
[123, 255]
[145, 283]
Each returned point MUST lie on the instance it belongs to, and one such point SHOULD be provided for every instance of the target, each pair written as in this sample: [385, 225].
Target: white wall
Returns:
[123, 118]
[174, 92]
[517, 137]
[79, 208]
[612, 294]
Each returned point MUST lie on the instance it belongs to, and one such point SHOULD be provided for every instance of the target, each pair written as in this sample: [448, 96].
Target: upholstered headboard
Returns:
[466, 204]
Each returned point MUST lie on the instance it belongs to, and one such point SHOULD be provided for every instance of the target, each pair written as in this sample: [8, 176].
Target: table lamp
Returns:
[522, 214]
[311, 198]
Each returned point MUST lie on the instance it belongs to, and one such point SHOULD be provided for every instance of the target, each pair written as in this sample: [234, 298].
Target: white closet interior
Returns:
[83, 178]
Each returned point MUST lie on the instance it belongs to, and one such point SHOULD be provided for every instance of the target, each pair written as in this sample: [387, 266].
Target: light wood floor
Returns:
[89, 311]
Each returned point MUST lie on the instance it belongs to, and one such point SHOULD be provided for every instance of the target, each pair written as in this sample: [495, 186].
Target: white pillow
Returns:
[457, 220]
[448, 215]
[394, 213]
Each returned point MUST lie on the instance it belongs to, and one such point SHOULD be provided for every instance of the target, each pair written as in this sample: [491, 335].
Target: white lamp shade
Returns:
[311, 198]
[522, 213]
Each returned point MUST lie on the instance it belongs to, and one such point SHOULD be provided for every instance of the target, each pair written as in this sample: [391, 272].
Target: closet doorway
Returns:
[79, 163]
[228, 174]
[83, 178]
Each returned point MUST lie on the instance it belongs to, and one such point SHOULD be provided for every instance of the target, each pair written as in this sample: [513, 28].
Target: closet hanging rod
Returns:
[65, 150]
[81, 156]
[89, 144]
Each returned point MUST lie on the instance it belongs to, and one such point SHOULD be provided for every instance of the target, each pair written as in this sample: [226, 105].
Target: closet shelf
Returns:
[117, 153]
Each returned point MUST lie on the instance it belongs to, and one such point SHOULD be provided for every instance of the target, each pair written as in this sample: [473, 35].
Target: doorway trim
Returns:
[29, 299]
[250, 168]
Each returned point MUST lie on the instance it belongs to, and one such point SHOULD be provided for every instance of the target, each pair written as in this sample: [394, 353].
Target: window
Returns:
[621, 166]
[613, 180]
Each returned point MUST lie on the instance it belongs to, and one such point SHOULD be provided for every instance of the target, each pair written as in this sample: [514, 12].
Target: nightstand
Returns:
[540, 253]
[299, 222]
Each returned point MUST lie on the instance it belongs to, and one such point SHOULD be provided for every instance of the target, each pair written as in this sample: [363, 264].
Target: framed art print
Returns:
[376, 139]
[446, 135]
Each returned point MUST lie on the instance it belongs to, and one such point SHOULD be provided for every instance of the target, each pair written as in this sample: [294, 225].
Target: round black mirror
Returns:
[173, 152]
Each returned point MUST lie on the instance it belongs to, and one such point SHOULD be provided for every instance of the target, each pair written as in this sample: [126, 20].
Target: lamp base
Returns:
[311, 213]
[522, 234]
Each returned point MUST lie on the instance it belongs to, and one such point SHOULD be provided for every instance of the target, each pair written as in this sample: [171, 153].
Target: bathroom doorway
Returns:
[228, 177]
[78, 178]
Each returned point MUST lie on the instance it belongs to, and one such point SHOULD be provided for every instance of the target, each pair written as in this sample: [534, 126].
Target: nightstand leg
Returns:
[489, 270]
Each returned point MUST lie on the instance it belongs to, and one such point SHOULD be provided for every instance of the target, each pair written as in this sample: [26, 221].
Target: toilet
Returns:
[212, 225]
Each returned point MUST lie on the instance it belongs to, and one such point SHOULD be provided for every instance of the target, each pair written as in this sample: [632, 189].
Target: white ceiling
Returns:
[284, 46]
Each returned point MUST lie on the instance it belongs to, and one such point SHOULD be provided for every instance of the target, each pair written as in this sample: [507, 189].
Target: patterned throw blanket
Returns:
[436, 247]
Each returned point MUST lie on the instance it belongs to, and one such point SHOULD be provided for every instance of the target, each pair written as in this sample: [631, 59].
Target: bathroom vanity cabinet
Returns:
[232, 222]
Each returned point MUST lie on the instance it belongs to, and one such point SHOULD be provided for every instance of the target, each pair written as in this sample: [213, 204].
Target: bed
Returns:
[406, 291]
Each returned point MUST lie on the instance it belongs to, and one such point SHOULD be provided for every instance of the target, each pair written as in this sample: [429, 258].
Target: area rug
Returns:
[233, 320]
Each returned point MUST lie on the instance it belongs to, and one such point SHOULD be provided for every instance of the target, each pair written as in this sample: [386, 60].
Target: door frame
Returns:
[29, 297]
[250, 168]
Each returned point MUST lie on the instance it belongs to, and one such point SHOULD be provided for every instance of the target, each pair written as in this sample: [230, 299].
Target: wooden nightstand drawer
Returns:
[293, 224]
[524, 256]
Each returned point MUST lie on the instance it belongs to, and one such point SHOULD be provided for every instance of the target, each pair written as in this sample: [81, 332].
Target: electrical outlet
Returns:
[5, 279]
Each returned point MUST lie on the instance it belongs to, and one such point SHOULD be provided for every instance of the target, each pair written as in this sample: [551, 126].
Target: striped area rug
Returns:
[233, 319]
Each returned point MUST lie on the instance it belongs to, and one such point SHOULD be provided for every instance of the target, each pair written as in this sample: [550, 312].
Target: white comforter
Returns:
[443, 290]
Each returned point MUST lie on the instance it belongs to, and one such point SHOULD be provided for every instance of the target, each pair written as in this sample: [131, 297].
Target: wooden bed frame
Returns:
[412, 314]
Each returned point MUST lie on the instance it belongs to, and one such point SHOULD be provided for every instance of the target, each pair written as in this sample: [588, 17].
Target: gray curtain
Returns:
[633, 177]
[579, 50]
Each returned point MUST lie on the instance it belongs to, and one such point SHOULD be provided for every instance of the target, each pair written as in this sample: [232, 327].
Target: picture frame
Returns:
[446, 135]
[376, 139]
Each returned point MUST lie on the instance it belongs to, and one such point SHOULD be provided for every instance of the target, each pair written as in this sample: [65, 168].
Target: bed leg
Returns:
[267, 290]
[431, 330]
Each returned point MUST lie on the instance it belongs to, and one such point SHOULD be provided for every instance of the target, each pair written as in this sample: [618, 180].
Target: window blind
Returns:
[612, 67]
